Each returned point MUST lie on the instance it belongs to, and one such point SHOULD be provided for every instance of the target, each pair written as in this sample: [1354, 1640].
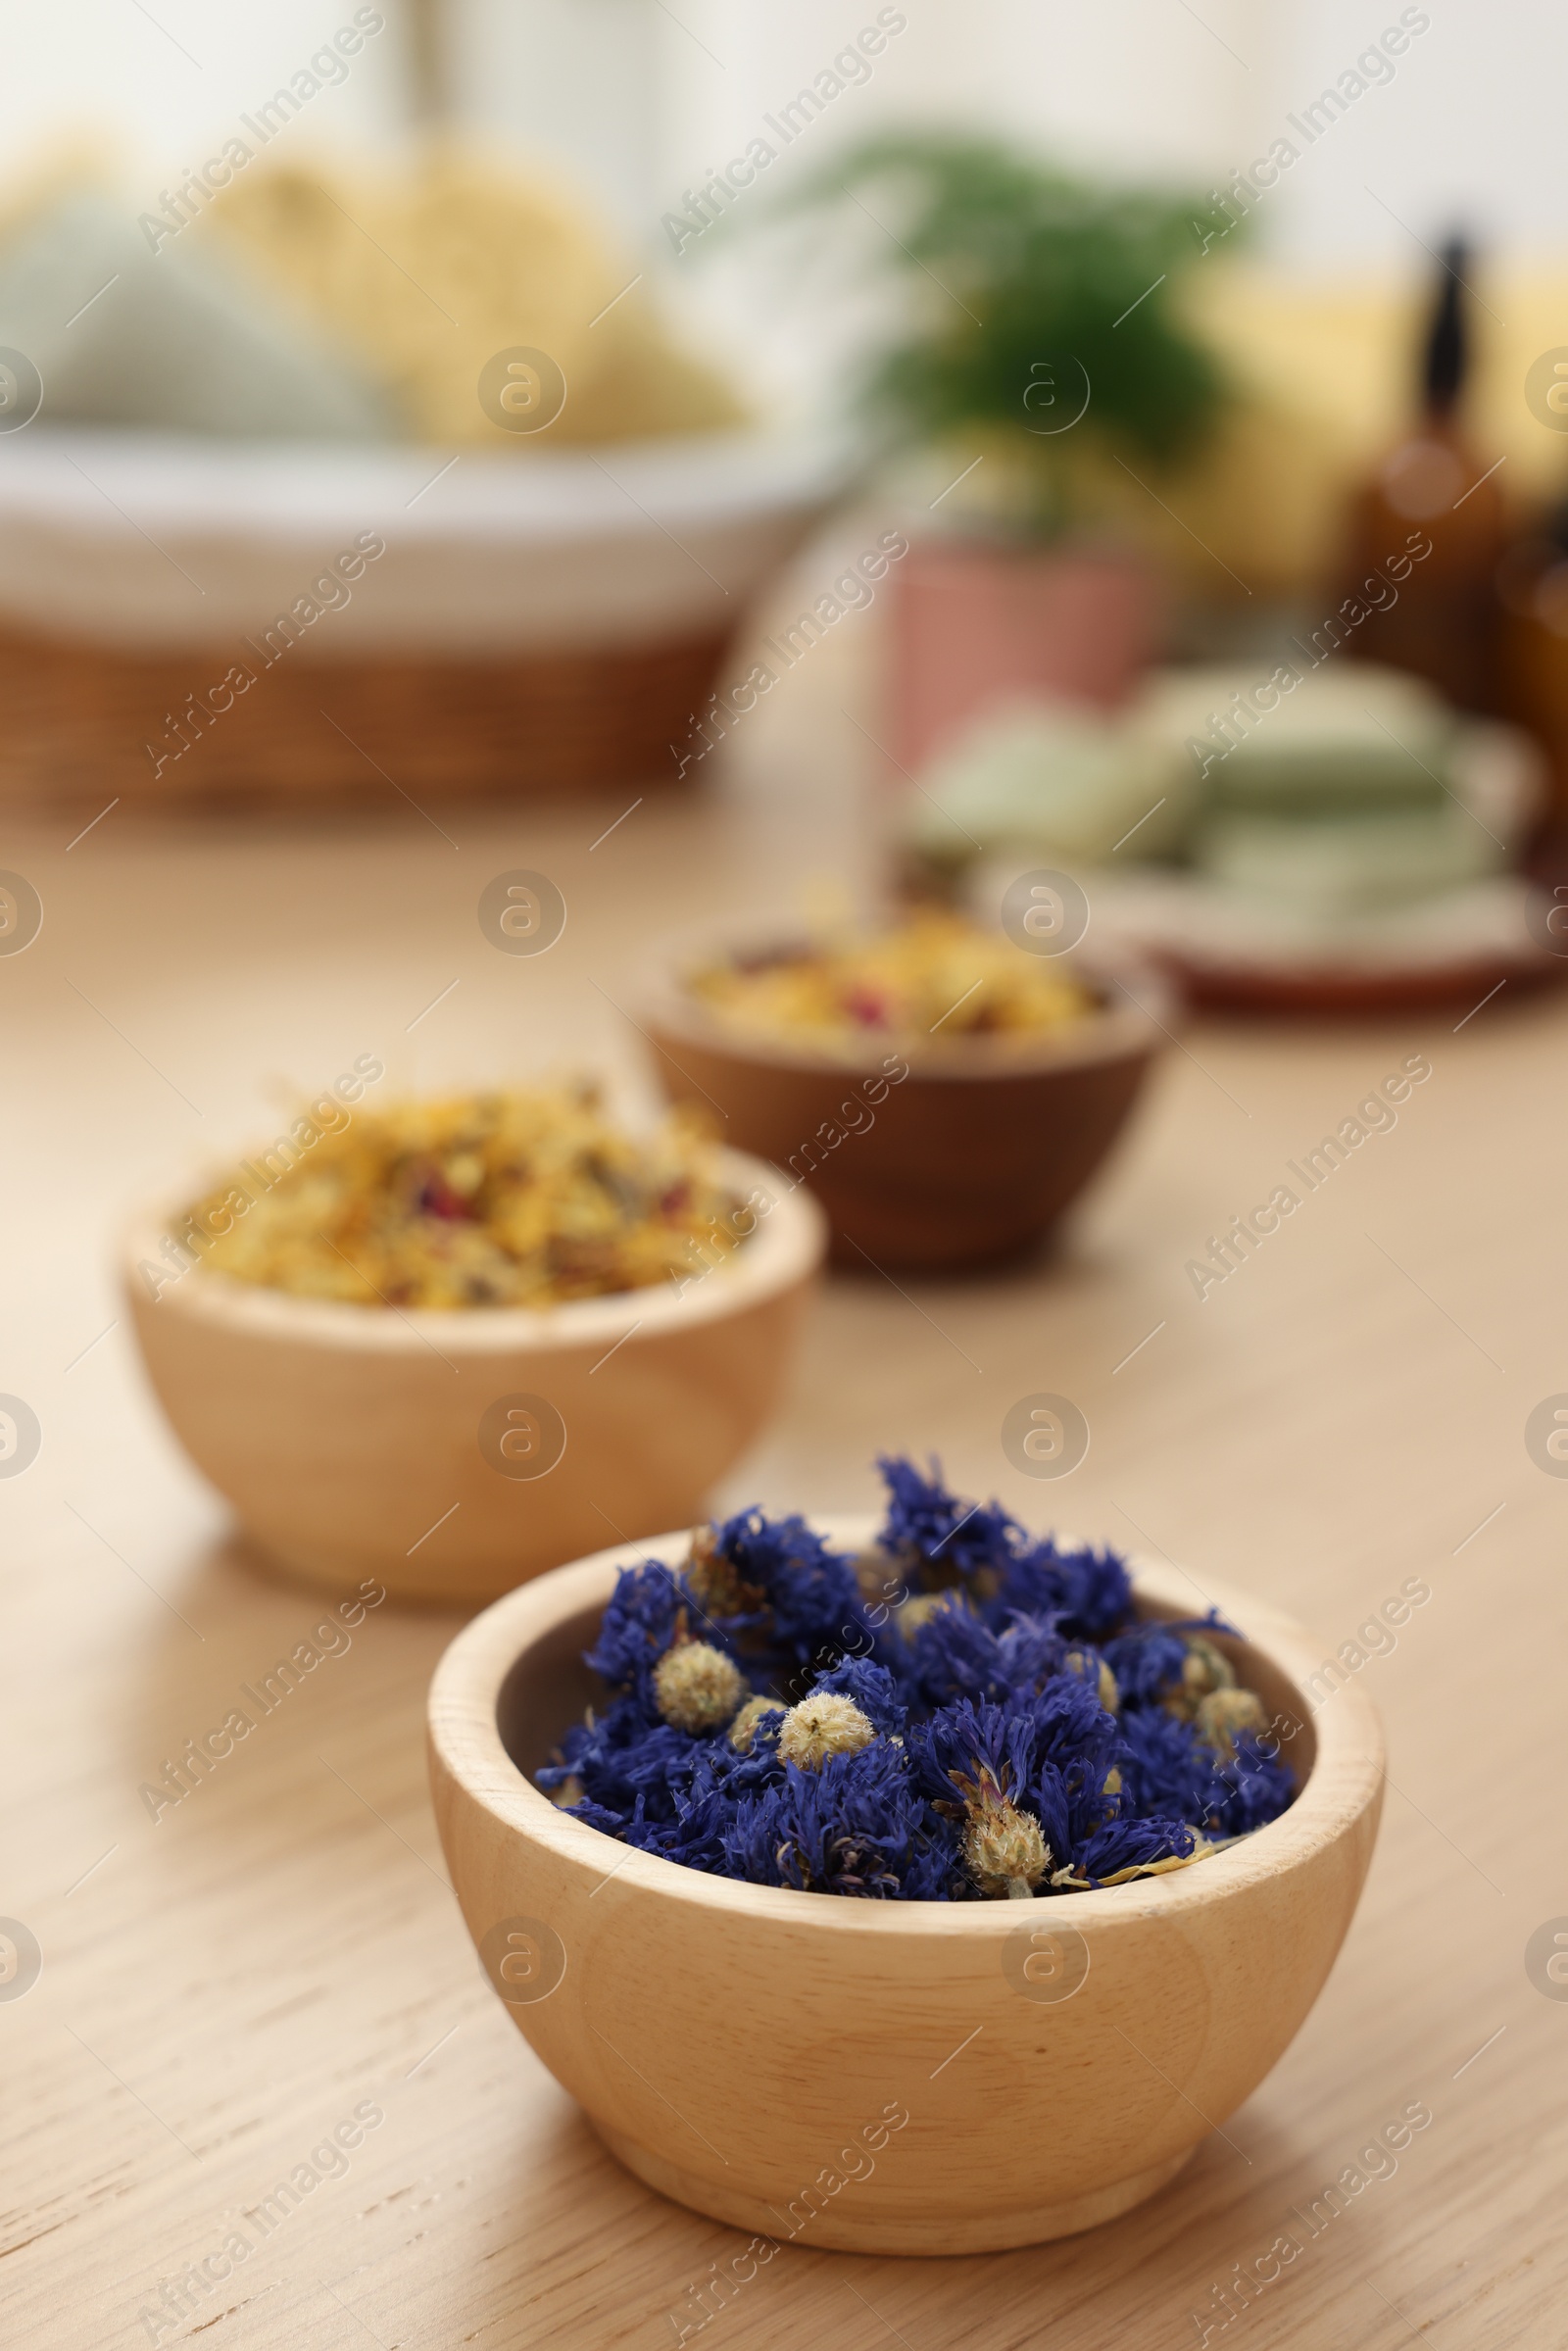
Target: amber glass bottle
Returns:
[1434, 499]
[1533, 659]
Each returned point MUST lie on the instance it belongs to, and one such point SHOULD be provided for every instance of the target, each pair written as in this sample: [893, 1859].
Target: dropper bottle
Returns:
[1435, 500]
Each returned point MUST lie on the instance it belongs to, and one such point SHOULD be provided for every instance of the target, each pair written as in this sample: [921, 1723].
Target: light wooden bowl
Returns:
[968, 1161]
[734, 2045]
[348, 1438]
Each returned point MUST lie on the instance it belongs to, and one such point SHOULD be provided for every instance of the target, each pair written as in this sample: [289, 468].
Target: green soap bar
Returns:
[1346, 866]
[1337, 770]
[1348, 737]
[1055, 782]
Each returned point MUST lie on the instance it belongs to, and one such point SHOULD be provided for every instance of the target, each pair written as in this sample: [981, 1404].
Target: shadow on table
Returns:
[1223, 2237]
[237, 1663]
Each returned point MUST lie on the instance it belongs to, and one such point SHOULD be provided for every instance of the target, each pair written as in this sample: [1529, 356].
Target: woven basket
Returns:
[83, 724]
[501, 629]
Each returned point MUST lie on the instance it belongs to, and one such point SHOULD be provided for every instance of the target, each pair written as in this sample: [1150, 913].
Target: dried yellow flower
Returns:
[915, 1613]
[820, 1726]
[1004, 1850]
[930, 971]
[918, 1611]
[1109, 1689]
[714, 1583]
[523, 1199]
[1225, 1712]
[697, 1687]
[1204, 1670]
[743, 1729]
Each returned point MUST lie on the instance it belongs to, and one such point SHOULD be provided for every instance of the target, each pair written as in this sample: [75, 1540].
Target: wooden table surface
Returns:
[224, 1986]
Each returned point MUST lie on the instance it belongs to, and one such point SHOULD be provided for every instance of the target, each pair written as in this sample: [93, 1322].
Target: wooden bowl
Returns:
[968, 1161]
[452, 1454]
[746, 2049]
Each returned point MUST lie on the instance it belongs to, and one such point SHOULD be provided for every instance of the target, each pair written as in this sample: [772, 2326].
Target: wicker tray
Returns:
[80, 725]
[534, 627]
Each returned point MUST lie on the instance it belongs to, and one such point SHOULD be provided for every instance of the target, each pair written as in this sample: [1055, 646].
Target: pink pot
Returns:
[974, 625]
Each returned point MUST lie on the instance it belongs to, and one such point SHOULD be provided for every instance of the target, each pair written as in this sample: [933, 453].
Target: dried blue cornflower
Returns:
[1146, 1661]
[1048, 1758]
[948, 1652]
[1132, 1848]
[1166, 1770]
[1259, 1788]
[1173, 1665]
[855, 1827]
[714, 1585]
[1029, 1652]
[1205, 1672]
[1072, 1730]
[953, 1654]
[1090, 1667]
[801, 1603]
[935, 1538]
[638, 1625]
[1090, 1593]
[1008, 1730]
[621, 1763]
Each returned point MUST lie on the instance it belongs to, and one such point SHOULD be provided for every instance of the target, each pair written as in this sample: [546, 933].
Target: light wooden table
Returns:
[223, 1987]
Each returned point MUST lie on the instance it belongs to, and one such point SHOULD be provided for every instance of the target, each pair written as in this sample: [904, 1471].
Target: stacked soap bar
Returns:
[1335, 791]
[1068, 782]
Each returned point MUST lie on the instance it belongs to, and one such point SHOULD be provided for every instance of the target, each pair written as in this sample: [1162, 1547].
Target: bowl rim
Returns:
[1345, 1781]
[1138, 1027]
[787, 1247]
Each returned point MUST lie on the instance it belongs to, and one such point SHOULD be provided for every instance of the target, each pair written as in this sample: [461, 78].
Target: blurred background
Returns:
[625, 95]
[1314, 175]
[750, 467]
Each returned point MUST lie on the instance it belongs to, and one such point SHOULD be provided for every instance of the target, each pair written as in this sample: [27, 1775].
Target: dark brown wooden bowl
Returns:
[968, 1160]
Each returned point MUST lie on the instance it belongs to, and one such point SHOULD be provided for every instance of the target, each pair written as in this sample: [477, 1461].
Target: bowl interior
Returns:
[546, 1689]
[786, 1243]
[549, 1685]
[1133, 1006]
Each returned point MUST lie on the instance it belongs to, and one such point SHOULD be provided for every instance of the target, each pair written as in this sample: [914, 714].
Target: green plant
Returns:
[1021, 276]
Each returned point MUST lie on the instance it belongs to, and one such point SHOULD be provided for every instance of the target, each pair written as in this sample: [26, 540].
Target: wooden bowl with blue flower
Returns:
[901, 2076]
